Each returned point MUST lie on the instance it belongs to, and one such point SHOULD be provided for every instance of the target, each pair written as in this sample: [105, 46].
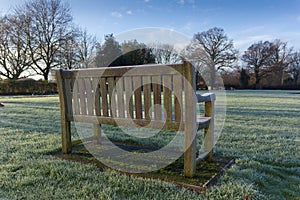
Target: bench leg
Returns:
[97, 133]
[66, 137]
[209, 132]
[208, 140]
[190, 153]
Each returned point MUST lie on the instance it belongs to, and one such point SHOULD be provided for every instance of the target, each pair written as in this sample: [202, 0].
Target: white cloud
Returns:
[116, 14]
[186, 1]
[247, 41]
[129, 12]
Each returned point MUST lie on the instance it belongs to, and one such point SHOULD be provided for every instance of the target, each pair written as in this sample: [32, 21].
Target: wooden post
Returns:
[96, 98]
[190, 121]
[97, 133]
[65, 123]
[209, 132]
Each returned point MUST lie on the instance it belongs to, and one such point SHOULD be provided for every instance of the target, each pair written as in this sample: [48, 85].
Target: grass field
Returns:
[261, 132]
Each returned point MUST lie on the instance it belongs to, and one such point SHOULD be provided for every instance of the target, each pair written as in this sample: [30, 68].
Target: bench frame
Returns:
[182, 119]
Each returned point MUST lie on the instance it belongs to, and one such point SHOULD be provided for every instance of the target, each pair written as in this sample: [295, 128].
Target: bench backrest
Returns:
[154, 96]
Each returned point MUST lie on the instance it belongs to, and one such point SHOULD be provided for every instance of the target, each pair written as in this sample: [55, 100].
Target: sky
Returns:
[244, 21]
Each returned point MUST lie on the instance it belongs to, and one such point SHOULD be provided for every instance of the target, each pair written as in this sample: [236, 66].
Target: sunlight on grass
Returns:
[261, 132]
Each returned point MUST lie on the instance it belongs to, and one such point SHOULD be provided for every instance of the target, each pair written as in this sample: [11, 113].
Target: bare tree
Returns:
[49, 26]
[78, 50]
[294, 67]
[216, 51]
[200, 60]
[257, 57]
[86, 45]
[69, 52]
[281, 58]
[165, 53]
[15, 59]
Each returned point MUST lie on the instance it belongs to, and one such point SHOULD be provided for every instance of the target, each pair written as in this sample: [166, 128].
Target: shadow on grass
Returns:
[207, 173]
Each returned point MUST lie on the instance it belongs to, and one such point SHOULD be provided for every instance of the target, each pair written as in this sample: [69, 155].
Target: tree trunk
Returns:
[45, 76]
[281, 77]
[257, 78]
[212, 77]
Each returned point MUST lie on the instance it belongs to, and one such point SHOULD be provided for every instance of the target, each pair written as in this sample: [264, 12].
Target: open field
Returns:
[261, 132]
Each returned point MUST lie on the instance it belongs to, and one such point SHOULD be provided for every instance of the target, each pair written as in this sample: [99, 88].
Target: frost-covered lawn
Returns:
[261, 131]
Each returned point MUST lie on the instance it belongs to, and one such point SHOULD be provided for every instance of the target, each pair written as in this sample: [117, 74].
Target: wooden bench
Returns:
[157, 95]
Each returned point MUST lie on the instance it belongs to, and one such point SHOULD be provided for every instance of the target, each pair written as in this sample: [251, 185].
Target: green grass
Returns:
[261, 132]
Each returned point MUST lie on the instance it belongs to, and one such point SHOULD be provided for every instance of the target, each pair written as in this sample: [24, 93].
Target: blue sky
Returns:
[243, 21]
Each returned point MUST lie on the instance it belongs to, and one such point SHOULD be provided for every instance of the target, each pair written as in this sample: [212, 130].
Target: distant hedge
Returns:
[27, 86]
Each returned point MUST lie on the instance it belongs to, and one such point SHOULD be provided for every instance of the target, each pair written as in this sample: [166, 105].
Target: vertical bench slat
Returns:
[112, 96]
[177, 88]
[167, 87]
[82, 98]
[120, 96]
[156, 85]
[128, 93]
[103, 93]
[147, 97]
[90, 96]
[137, 97]
[68, 96]
[96, 99]
[96, 103]
[73, 88]
[76, 110]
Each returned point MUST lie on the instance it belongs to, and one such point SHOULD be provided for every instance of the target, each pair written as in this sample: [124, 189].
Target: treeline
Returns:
[268, 65]
[40, 35]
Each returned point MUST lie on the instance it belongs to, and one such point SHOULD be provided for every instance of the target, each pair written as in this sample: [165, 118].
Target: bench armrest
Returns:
[207, 97]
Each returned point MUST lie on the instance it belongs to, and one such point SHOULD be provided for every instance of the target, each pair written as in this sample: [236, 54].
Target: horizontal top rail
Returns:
[137, 70]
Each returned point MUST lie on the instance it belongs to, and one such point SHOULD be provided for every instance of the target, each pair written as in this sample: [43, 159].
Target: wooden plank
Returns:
[190, 121]
[96, 94]
[82, 98]
[206, 97]
[209, 132]
[68, 92]
[137, 96]
[128, 97]
[178, 104]
[76, 108]
[89, 96]
[97, 133]
[103, 93]
[167, 88]
[203, 122]
[137, 123]
[112, 96]
[73, 88]
[151, 70]
[156, 85]
[147, 97]
[96, 98]
[65, 123]
[120, 96]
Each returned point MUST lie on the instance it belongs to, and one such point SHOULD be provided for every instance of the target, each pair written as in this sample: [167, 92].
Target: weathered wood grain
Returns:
[151, 96]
